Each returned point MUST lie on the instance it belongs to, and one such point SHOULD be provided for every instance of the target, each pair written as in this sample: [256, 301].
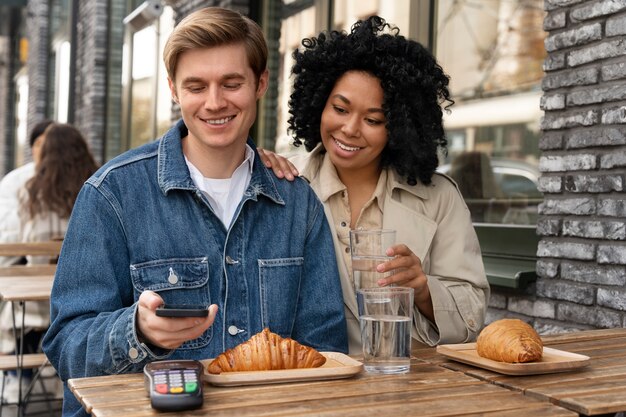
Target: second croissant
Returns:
[266, 351]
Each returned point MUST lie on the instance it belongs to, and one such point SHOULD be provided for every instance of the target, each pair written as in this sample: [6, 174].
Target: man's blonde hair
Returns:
[216, 26]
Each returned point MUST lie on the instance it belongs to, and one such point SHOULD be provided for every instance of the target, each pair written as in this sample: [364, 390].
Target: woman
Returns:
[46, 202]
[367, 106]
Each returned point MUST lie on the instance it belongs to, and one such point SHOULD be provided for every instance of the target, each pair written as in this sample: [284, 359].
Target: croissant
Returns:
[266, 351]
[509, 340]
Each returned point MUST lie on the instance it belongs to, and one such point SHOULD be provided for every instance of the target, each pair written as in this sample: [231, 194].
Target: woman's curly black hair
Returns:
[415, 88]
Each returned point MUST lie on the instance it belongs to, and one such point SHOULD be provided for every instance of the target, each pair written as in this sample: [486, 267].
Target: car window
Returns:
[516, 185]
[496, 190]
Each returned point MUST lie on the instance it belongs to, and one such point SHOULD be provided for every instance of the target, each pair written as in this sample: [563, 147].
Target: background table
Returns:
[597, 389]
[26, 288]
[51, 248]
[19, 290]
[428, 390]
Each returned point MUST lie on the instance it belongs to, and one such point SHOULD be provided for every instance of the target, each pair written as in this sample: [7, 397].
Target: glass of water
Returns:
[368, 250]
[385, 317]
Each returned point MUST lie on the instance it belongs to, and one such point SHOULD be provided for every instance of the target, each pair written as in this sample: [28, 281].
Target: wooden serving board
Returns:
[553, 360]
[337, 366]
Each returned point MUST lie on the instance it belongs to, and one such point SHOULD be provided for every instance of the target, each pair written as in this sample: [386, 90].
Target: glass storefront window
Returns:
[493, 51]
[148, 95]
[63, 81]
[60, 60]
[143, 83]
[21, 115]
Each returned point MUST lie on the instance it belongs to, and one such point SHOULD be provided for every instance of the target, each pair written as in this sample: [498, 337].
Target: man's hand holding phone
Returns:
[168, 327]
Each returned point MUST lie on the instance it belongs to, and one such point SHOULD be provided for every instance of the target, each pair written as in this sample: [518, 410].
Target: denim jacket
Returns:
[140, 223]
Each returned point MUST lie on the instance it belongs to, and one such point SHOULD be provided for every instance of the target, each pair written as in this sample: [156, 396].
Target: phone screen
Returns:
[174, 310]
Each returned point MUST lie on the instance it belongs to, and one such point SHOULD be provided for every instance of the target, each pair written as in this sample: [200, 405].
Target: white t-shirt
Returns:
[224, 195]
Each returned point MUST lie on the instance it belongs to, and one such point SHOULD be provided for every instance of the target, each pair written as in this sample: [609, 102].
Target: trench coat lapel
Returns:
[412, 227]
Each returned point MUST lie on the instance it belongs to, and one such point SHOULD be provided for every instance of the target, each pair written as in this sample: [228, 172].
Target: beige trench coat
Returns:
[434, 222]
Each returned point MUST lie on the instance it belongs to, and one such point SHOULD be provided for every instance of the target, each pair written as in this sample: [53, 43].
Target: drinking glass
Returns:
[385, 317]
[367, 249]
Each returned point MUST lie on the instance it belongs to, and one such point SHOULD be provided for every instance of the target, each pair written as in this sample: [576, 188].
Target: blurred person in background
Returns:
[10, 186]
[63, 163]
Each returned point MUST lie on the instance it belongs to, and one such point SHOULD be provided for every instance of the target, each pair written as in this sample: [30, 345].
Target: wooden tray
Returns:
[553, 360]
[337, 366]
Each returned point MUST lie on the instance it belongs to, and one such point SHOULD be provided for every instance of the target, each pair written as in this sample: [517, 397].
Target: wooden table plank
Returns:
[31, 248]
[30, 288]
[594, 404]
[586, 335]
[27, 270]
[30, 360]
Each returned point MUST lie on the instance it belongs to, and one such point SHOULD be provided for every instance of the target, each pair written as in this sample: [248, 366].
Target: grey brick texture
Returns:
[581, 265]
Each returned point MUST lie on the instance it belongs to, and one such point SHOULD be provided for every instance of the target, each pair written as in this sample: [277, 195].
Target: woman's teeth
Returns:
[346, 147]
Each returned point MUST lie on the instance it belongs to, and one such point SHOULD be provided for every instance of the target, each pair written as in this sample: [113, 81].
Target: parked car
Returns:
[496, 190]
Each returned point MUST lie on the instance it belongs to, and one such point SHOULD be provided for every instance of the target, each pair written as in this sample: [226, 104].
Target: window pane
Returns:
[493, 51]
[164, 96]
[143, 80]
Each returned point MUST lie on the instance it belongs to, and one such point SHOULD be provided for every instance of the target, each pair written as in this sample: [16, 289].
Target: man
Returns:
[10, 187]
[194, 218]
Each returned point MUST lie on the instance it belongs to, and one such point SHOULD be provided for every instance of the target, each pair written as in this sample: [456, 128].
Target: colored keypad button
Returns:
[191, 386]
[176, 390]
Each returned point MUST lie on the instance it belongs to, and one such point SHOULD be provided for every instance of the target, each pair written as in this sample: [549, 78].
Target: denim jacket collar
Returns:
[174, 174]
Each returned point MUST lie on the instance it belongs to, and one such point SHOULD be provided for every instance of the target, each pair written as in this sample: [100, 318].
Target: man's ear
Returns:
[263, 83]
[173, 90]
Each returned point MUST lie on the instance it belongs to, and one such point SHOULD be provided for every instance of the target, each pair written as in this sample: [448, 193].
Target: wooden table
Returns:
[20, 289]
[52, 248]
[27, 270]
[597, 389]
[427, 390]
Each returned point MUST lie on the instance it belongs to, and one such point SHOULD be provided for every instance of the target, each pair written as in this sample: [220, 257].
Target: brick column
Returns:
[582, 253]
[37, 24]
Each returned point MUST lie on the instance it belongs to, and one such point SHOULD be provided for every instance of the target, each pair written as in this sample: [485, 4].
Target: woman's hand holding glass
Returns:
[408, 273]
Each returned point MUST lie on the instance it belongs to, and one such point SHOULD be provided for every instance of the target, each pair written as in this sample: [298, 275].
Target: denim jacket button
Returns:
[231, 261]
[233, 330]
[133, 353]
[172, 278]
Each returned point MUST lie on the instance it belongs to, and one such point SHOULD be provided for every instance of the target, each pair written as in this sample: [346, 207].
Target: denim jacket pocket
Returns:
[177, 281]
[279, 285]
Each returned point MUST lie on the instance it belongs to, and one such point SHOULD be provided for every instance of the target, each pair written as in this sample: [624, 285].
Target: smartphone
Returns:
[175, 310]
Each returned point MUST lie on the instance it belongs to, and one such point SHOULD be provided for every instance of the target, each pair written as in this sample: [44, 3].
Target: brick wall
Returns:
[38, 62]
[582, 252]
[90, 95]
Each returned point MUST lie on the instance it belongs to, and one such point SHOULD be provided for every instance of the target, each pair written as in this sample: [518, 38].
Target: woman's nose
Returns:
[351, 127]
